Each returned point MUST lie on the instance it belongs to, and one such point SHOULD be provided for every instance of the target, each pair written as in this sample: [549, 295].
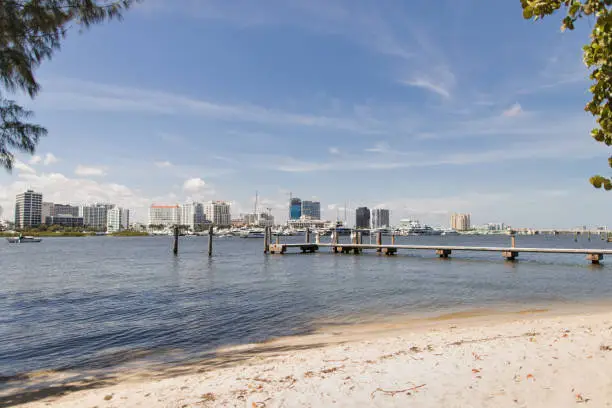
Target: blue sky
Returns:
[424, 109]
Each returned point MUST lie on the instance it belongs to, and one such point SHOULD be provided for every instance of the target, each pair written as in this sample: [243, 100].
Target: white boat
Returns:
[252, 233]
[23, 240]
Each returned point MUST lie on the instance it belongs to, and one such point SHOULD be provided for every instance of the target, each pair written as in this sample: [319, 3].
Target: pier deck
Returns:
[509, 253]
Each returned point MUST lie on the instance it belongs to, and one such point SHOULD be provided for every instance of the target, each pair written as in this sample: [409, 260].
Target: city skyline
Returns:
[345, 102]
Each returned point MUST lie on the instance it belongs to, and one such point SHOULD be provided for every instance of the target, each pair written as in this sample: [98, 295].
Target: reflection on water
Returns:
[100, 301]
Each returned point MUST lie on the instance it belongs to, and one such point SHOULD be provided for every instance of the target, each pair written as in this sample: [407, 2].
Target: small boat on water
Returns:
[23, 240]
[252, 233]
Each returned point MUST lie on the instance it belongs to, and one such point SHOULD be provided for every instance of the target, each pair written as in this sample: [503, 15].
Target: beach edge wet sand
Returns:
[570, 338]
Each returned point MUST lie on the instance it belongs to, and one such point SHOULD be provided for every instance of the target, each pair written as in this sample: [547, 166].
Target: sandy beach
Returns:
[524, 359]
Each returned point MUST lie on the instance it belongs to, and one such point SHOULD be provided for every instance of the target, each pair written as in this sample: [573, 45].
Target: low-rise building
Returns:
[64, 220]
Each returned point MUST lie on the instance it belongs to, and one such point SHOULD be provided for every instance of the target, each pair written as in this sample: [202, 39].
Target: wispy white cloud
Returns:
[50, 159]
[380, 147]
[22, 167]
[82, 170]
[35, 159]
[75, 95]
[334, 150]
[424, 83]
[163, 164]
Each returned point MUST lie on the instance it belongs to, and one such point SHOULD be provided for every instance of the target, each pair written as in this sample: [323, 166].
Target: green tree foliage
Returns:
[597, 57]
[31, 31]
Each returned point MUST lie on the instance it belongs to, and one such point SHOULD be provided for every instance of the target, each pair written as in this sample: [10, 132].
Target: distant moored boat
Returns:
[23, 240]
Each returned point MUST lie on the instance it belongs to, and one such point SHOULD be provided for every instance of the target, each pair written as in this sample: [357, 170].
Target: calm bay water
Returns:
[93, 302]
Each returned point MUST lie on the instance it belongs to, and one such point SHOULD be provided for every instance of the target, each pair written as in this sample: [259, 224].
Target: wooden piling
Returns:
[393, 239]
[317, 237]
[378, 239]
[277, 239]
[266, 240]
[513, 241]
[211, 234]
[308, 235]
[176, 236]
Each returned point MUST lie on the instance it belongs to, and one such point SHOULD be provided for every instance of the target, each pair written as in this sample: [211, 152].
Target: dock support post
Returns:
[175, 245]
[308, 235]
[317, 237]
[266, 240]
[513, 240]
[378, 240]
[393, 239]
[510, 255]
[277, 239]
[594, 258]
[210, 240]
[443, 253]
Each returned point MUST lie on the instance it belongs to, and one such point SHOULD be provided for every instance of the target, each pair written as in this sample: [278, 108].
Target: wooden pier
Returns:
[510, 253]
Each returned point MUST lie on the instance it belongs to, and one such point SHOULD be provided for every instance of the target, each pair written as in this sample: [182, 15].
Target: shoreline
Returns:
[382, 355]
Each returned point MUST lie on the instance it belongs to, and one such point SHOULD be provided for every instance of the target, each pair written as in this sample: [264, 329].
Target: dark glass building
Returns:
[362, 217]
[295, 208]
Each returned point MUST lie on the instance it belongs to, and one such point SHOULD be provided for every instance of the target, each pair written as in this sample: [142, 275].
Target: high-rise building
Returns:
[117, 219]
[295, 208]
[460, 222]
[192, 215]
[95, 215]
[166, 215]
[311, 210]
[47, 211]
[28, 209]
[362, 217]
[218, 212]
[380, 218]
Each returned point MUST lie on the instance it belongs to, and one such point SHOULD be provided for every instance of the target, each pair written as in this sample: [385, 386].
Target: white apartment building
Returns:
[117, 219]
[218, 212]
[166, 215]
[95, 215]
[192, 215]
[28, 209]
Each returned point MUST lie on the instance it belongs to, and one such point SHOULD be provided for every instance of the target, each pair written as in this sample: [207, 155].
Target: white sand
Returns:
[521, 360]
